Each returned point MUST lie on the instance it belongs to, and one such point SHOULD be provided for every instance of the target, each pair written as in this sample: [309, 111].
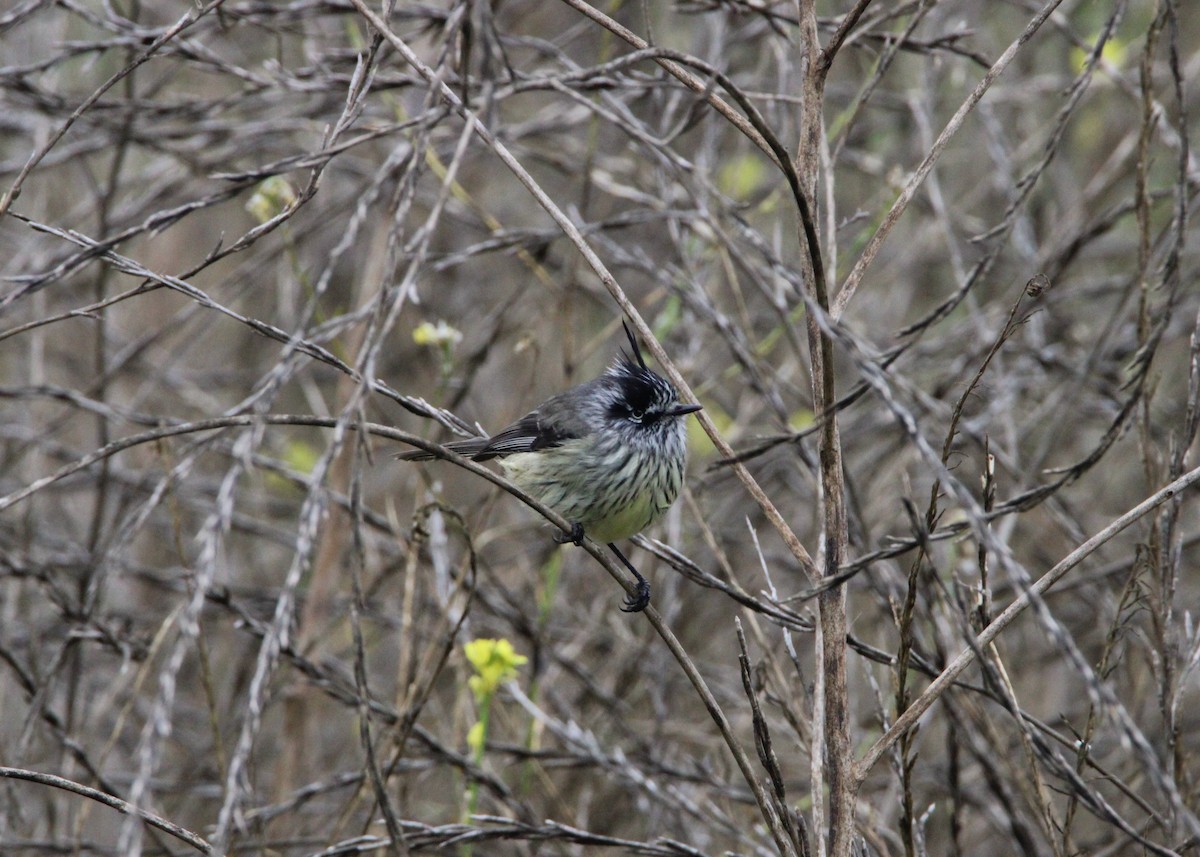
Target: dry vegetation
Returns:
[250, 246]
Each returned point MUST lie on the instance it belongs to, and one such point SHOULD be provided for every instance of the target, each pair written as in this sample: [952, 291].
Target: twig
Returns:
[123, 807]
[965, 658]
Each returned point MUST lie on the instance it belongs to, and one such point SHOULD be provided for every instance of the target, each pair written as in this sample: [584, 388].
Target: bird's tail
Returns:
[469, 447]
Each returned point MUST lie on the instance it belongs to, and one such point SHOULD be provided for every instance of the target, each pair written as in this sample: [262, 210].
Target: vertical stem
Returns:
[842, 786]
[832, 603]
[485, 711]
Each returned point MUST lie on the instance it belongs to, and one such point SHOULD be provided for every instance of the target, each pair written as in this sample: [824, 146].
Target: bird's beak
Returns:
[683, 410]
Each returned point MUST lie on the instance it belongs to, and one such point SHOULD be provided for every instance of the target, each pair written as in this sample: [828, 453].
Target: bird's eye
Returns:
[636, 415]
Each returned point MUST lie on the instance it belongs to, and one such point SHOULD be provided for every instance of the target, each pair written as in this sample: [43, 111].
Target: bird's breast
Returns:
[614, 490]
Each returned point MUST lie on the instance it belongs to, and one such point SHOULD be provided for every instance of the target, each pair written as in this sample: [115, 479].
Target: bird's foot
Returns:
[639, 602]
[575, 537]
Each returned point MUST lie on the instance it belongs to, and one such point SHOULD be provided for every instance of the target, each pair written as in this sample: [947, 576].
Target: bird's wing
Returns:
[550, 424]
[469, 447]
[529, 434]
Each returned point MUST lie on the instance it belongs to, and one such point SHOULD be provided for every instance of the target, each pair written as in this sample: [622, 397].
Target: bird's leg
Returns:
[575, 537]
[633, 603]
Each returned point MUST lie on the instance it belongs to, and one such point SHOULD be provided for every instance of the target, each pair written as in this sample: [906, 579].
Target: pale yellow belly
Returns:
[627, 521]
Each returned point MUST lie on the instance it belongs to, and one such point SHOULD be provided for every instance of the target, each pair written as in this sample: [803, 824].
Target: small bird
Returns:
[608, 455]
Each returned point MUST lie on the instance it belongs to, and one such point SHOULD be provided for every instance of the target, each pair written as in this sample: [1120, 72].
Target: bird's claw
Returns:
[639, 602]
[575, 537]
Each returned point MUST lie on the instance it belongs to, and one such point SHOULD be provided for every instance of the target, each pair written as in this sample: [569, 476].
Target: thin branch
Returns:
[121, 806]
[965, 658]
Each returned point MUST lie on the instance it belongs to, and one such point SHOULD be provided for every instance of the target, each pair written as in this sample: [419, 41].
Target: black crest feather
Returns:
[633, 344]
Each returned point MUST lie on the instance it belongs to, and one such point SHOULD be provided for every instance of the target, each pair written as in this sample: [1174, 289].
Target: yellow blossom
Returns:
[475, 739]
[270, 199]
[494, 661]
[440, 334]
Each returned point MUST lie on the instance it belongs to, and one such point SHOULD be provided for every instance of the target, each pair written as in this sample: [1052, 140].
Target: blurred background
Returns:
[239, 210]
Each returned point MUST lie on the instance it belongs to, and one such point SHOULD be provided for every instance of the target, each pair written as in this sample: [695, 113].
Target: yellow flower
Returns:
[271, 198]
[440, 334]
[494, 661]
[475, 739]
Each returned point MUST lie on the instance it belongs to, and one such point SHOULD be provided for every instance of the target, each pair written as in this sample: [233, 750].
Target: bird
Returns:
[608, 455]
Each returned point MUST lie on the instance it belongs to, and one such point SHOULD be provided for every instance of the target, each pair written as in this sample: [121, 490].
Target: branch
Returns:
[965, 658]
[121, 806]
